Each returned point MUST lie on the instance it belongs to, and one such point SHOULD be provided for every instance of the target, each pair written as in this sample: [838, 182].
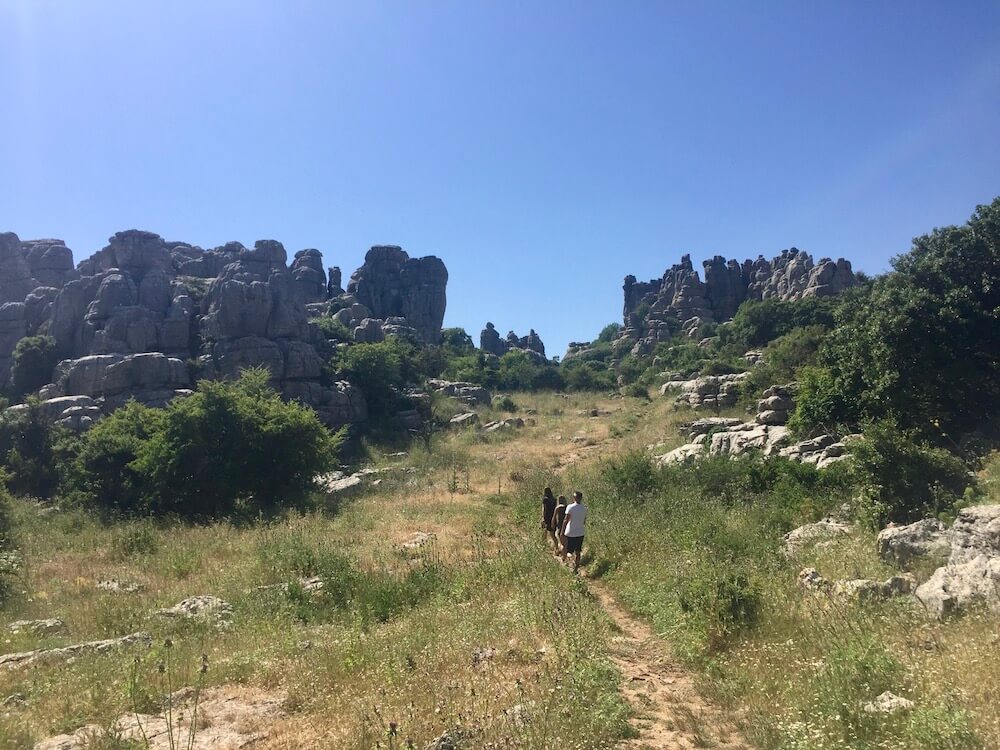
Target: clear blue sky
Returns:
[542, 149]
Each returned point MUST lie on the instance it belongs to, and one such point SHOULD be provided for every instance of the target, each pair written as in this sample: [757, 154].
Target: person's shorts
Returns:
[574, 544]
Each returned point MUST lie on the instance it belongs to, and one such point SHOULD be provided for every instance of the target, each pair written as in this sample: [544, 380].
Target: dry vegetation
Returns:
[480, 631]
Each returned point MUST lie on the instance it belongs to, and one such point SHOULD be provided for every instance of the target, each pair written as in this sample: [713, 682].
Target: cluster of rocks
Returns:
[24, 659]
[967, 555]
[970, 551]
[706, 392]
[653, 309]
[767, 433]
[144, 317]
[392, 294]
[491, 343]
[469, 393]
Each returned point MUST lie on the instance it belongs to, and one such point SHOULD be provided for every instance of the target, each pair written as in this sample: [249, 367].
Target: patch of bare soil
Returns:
[669, 712]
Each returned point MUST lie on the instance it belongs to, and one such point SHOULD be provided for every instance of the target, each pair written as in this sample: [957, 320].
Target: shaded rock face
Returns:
[129, 320]
[391, 284]
[491, 343]
[680, 295]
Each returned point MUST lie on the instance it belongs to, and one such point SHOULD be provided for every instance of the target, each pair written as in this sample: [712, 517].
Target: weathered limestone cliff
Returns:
[143, 317]
[653, 308]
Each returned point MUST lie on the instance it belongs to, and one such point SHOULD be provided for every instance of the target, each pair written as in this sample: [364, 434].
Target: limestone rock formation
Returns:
[655, 310]
[491, 343]
[392, 284]
[972, 574]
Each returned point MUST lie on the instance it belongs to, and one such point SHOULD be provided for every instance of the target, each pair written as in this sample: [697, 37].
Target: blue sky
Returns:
[542, 149]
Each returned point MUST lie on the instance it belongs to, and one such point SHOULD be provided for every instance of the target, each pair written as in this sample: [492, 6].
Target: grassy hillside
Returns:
[480, 628]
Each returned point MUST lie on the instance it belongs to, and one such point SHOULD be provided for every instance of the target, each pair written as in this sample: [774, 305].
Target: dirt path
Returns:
[669, 714]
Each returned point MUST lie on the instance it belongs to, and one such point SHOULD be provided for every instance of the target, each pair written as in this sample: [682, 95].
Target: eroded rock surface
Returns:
[971, 576]
[655, 310]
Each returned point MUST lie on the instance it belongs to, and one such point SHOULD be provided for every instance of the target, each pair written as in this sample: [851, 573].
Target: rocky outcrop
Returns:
[13, 327]
[655, 310]
[16, 281]
[391, 284]
[766, 433]
[491, 343]
[972, 573]
[928, 539]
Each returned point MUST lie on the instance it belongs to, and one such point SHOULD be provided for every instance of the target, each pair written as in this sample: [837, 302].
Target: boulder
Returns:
[928, 539]
[972, 574]
[50, 261]
[464, 420]
[369, 331]
[810, 534]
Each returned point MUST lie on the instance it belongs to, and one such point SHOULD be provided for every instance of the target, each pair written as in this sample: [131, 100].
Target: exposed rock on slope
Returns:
[653, 309]
[972, 574]
[391, 284]
[491, 343]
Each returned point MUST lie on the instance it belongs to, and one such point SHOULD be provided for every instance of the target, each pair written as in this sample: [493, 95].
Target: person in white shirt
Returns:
[574, 527]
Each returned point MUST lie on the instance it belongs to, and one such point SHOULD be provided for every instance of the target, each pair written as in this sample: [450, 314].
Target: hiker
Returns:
[548, 510]
[557, 525]
[573, 528]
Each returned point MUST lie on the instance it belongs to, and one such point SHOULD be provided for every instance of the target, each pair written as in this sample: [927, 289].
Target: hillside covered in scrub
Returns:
[241, 504]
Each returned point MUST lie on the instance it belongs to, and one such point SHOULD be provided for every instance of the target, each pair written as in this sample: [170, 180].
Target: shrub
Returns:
[718, 367]
[231, 447]
[456, 342]
[504, 403]
[520, 371]
[821, 405]
[333, 329]
[636, 390]
[104, 471]
[377, 369]
[32, 449]
[784, 357]
[32, 364]
[904, 479]
[609, 332]
[6, 523]
[587, 376]
[630, 476]
[757, 323]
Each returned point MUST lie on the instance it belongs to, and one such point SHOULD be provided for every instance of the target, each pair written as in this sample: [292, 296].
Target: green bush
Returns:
[32, 364]
[377, 369]
[579, 375]
[784, 357]
[32, 449]
[6, 523]
[757, 323]
[520, 371]
[333, 330]
[609, 333]
[104, 471]
[230, 448]
[904, 479]
[630, 477]
[923, 343]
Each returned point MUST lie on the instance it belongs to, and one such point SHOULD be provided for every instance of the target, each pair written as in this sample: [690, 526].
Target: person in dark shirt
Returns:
[558, 519]
[548, 510]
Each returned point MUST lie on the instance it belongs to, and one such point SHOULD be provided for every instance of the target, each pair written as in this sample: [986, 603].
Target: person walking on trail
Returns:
[548, 511]
[573, 528]
[557, 525]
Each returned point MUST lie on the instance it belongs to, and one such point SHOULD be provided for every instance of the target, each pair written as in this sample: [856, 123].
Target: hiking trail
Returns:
[669, 713]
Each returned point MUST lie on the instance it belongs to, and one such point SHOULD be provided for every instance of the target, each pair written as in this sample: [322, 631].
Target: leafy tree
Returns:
[333, 329]
[924, 343]
[32, 364]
